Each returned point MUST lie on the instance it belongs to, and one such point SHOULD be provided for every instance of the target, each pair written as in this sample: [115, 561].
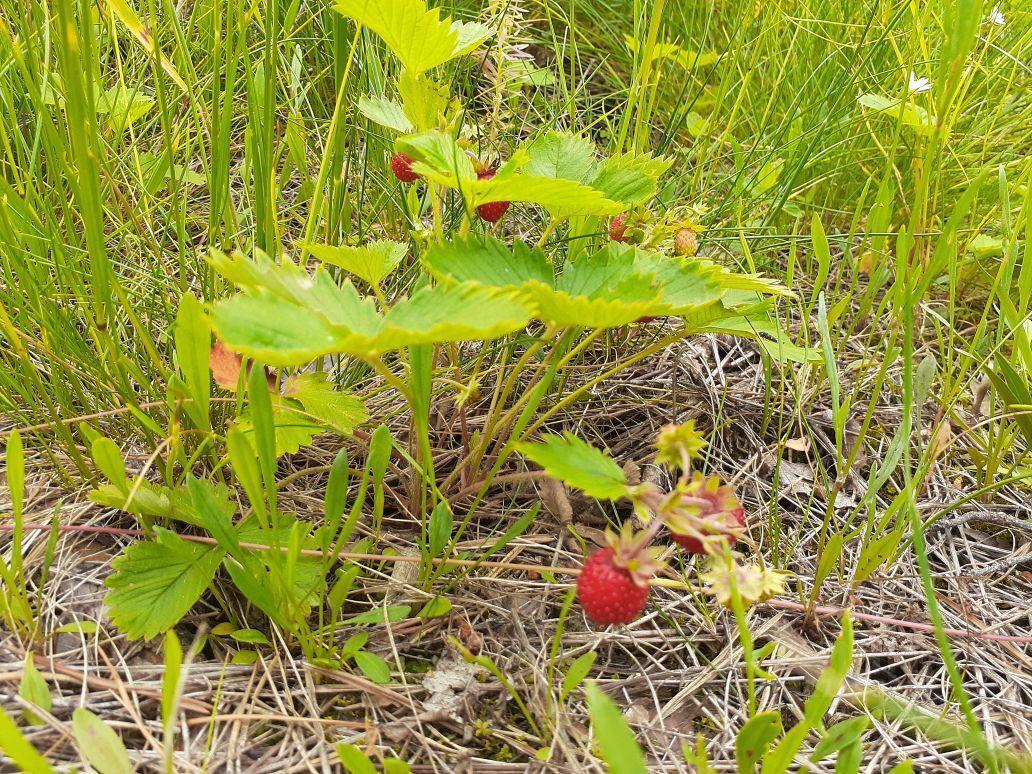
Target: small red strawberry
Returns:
[706, 512]
[618, 228]
[492, 212]
[613, 586]
[401, 165]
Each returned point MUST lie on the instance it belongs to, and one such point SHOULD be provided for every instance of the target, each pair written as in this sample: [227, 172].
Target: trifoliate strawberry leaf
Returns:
[156, 582]
[578, 464]
[417, 36]
[629, 179]
[371, 262]
[687, 284]
[284, 317]
[559, 155]
[385, 112]
[488, 261]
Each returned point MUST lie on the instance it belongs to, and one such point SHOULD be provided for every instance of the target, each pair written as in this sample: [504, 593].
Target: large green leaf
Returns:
[463, 312]
[559, 155]
[156, 582]
[417, 36]
[274, 330]
[490, 262]
[371, 262]
[438, 157]
[604, 290]
[283, 318]
[385, 112]
[630, 179]
[579, 464]
[561, 198]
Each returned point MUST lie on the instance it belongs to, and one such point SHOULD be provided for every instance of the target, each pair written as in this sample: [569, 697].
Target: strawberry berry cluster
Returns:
[700, 514]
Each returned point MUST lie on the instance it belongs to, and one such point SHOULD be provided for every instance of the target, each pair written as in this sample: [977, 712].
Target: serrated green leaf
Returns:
[373, 667]
[579, 464]
[603, 290]
[630, 179]
[560, 155]
[417, 36]
[470, 35]
[385, 112]
[123, 106]
[371, 262]
[614, 737]
[438, 157]
[338, 410]
[489, 261]
[284, 319]
[560, 198]
[100, 745]
[424, 101]
[156, 582]
[147, 499]
[440, 314]
[274, 330]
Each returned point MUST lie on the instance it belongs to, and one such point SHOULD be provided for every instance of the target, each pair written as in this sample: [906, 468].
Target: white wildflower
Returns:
[996, 16]
[919, 85]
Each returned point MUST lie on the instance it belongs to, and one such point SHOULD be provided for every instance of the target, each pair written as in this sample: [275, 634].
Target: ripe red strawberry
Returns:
[705, 508]
[492, 212]
[618, 228]
[609, 593]
[694, 545]
[401, 165]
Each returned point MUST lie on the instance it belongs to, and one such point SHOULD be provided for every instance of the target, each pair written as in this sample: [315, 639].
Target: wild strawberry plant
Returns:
[418, 314]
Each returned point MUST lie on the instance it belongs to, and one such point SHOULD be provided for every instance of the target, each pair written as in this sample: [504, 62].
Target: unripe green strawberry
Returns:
[492, 212]
[686, 242]
[401, 165]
